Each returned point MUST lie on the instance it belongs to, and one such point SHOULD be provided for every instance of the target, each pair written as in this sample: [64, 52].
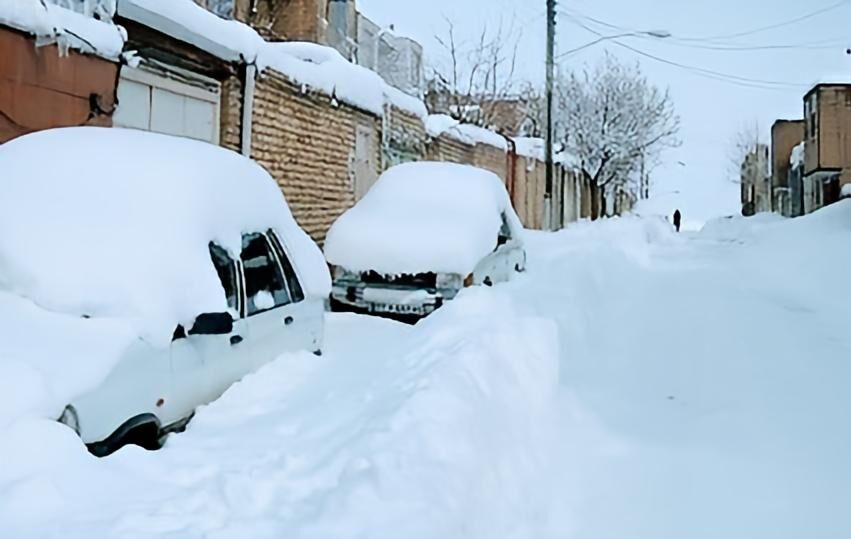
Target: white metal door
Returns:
[171, 102]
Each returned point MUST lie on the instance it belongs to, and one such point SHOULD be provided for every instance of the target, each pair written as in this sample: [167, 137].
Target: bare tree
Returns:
[610, 120]
[476, 83]
[749, 166]
[747, 142]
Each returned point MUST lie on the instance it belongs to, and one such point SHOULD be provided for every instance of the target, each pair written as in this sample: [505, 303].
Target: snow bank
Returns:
[440, 124]
[113, 223]
[440, 430]
[737, 228]
[423, 217]
[51, 23]
[325, 69]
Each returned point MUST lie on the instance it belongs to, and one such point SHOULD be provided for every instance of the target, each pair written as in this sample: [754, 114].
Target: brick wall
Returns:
[297, 20]
[446, 148]
[230, 118]
[491, 158]
[785, 135]
[40, 89]
[405, 137]
[308, 145]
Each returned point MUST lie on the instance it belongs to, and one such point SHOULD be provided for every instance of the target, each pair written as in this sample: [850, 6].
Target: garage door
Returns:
[170, 102]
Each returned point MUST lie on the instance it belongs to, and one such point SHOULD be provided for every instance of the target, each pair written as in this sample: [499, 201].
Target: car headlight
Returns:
[70, 419]
[449, 280]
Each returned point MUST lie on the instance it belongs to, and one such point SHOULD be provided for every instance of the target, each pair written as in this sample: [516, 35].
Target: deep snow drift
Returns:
[697, 389]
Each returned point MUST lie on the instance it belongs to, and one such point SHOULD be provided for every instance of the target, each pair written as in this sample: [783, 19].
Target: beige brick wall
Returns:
[297, 20]
[405, 137]
[230, 118]
[446, 148]
[308, 145]
[491, 158]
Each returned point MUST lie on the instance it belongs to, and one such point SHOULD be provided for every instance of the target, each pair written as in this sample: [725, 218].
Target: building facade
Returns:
[785, 136]
[827, 164]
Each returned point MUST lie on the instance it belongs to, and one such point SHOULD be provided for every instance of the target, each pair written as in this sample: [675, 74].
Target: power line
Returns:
[708, 73]
[717, 42]
[762, 29]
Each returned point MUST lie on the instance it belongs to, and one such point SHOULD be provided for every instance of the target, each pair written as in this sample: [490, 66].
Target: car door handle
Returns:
[235, 339]
[288, 321]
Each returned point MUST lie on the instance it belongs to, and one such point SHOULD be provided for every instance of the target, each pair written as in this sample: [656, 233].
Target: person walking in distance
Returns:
[678, 218]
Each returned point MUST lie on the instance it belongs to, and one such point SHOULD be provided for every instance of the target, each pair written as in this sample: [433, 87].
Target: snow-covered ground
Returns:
[633, 384]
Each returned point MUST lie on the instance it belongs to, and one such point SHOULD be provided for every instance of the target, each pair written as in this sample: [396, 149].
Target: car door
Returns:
[272, 317]
[202, 365]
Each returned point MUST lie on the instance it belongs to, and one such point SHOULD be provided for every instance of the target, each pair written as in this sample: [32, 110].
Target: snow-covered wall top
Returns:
[74, 240]
[69, 29]
[441, 124]
[309, 64]
[423, 217]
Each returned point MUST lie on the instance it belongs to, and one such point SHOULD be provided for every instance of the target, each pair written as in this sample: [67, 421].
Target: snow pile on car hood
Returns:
[423, 217]
[112, 223]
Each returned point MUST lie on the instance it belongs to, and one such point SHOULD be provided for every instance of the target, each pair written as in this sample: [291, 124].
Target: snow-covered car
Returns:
[144, 274]
[421, 234]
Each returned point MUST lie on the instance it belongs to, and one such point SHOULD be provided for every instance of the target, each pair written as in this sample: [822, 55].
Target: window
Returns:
[296, 292]
[226, 268]
[265, 288]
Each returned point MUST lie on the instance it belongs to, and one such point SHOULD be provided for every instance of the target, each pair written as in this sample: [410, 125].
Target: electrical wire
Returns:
[717, 43]
[707, 73]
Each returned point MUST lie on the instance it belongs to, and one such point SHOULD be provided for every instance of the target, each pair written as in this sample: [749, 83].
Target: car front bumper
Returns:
[388, 301]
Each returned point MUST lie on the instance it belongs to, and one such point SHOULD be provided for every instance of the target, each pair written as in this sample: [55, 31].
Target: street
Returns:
[684, 389]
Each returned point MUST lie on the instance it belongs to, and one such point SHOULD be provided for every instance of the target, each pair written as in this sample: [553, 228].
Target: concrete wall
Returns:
[40, 89]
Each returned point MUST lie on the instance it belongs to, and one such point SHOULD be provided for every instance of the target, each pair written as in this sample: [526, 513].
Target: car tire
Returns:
[143, 431]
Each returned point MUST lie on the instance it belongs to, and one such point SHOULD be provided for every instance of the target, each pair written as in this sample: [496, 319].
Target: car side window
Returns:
[265, 288]
[504, 233]
[296, 291]
[226, 268]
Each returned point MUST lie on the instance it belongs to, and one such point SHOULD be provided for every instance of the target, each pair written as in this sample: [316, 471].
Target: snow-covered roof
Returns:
[69, 29]
[186, 21]
[315, 66]
[325, 69]
[532, 147]
[798, 155]
[114, 223]
[442, 124]
[423, 217]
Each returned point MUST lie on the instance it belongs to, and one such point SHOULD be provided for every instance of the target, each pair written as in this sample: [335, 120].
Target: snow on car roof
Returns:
[423, 217]
[116, 223]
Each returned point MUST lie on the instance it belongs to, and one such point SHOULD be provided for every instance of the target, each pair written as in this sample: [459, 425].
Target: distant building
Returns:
[756, 181]
[337, 24]
[785, 135]
[398, 59]
[827, 163]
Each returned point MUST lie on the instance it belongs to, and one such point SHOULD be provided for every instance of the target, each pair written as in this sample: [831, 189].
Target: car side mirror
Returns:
[213, 324]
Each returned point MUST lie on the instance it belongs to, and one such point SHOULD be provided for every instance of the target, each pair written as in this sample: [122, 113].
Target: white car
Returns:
[423, 233]
[189, 246]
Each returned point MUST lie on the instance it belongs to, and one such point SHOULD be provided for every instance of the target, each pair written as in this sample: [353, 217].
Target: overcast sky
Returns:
[712, 110]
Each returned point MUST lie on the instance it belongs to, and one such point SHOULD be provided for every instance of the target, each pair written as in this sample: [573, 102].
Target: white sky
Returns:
[711, 110]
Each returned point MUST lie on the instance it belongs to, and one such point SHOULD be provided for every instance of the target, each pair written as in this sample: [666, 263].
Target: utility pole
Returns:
[548, 142]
